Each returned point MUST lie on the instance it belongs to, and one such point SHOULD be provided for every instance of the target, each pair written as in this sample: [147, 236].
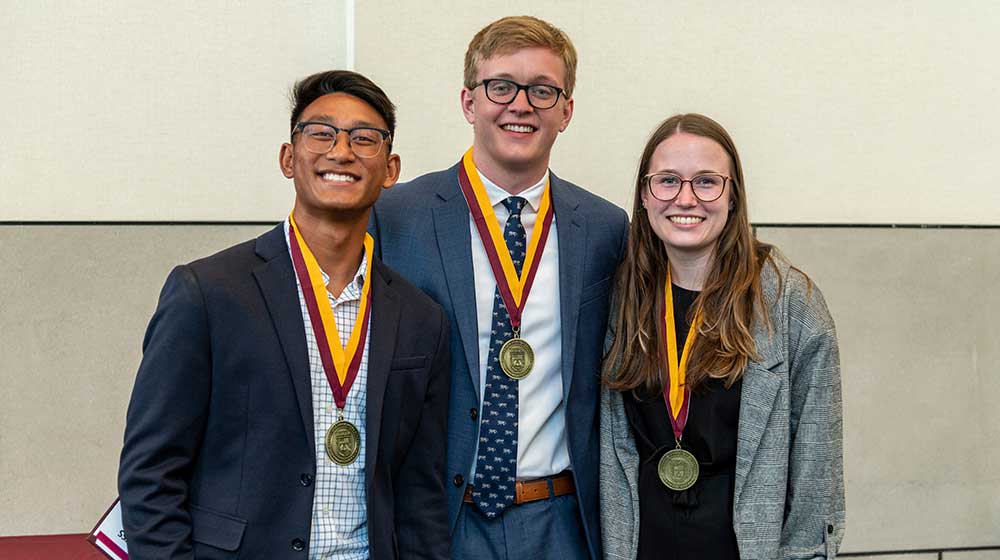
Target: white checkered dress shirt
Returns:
[339, 520]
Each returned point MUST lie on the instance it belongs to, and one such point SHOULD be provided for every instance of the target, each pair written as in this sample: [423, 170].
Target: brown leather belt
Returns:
[536, 489]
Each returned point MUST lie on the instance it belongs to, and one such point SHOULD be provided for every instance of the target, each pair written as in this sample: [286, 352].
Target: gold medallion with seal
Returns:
[517, 359]
[678, 469]
[343, 442]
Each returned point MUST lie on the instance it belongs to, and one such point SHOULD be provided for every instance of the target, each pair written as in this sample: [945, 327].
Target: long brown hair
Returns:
[730, 300]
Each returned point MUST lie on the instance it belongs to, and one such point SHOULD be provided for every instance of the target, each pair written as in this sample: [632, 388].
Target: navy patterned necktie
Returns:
[496, 464]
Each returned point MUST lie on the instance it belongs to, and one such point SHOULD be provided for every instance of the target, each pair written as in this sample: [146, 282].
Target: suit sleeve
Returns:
[814, 505]
[166, 422]
[421, 503]
[624, 237]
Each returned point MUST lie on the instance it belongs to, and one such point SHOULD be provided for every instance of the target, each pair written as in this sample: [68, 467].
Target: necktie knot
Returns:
[514, 205]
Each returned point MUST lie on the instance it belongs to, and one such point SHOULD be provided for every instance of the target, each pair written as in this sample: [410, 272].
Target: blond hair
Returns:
[513, 33]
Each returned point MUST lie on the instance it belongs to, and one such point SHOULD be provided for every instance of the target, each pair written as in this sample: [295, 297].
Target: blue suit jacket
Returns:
[422, 231]
[219, 457]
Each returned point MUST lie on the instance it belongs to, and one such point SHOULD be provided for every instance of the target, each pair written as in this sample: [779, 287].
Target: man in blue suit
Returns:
[292, 393]
[522, 262]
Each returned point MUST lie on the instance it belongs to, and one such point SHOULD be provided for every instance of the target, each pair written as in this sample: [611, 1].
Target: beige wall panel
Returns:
[916, 314]
[932, 556]
[975, 555]
[130, 112]
[160, 111]
[76, 300]
[846, 112]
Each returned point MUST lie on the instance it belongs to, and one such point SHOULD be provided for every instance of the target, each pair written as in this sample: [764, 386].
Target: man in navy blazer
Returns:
[435, 230]
[240, 440]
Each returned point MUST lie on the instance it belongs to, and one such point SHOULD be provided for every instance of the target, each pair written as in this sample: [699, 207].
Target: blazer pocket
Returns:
[408, 363]
[216, 529]
[595, 291]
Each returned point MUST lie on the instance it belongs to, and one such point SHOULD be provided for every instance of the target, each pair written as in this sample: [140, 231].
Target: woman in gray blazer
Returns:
[721, 421]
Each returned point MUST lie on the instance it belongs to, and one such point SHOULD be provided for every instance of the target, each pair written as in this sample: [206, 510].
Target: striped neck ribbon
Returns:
[676, 394]
[514, 289]
[340, 364]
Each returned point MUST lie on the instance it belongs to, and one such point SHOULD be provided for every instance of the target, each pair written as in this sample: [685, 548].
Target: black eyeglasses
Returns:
[706, 187]
[504, 92]
[320, 138]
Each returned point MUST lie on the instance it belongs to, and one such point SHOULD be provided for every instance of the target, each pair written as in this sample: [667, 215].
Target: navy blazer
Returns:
[422, 230]
[219, 452]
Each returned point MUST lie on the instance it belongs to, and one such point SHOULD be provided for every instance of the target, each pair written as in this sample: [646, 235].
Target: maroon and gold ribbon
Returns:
[676, 394]
[340, 364]
[513, 288]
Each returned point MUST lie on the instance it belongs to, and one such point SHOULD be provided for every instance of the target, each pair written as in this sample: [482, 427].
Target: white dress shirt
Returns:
[541, 433]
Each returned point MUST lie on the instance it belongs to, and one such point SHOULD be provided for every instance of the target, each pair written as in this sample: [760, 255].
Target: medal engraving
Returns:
[343, 442]
[678, 469]
[517, 359]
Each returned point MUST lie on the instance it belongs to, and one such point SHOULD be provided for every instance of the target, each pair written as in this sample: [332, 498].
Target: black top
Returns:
[698, 522]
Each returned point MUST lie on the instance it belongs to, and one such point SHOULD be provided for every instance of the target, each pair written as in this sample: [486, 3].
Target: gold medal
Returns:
[517, 359]
[343, 442]
[678, 469]
[340, 364]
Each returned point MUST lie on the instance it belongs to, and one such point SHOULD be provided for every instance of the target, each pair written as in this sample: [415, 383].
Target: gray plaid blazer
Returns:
[789, 492]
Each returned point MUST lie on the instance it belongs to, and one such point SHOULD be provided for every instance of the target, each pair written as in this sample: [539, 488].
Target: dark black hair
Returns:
[313, 87]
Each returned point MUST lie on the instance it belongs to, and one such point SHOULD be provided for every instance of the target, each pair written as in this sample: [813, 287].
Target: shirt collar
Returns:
[353, 289]
[532, 194]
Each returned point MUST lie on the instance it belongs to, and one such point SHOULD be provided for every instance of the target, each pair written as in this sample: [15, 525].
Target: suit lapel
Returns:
[384, 320]
[276, 279]
[760, 388]
[761, 383]
[451, 226]
[572, 240]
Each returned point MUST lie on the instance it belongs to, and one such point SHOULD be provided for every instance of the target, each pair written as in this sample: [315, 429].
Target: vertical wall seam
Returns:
[349, 39]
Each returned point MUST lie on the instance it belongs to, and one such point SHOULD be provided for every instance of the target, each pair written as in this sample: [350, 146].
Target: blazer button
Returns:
[474, 413]
[829, 529]
[298, 545]
[458, 480]
[306, 479]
